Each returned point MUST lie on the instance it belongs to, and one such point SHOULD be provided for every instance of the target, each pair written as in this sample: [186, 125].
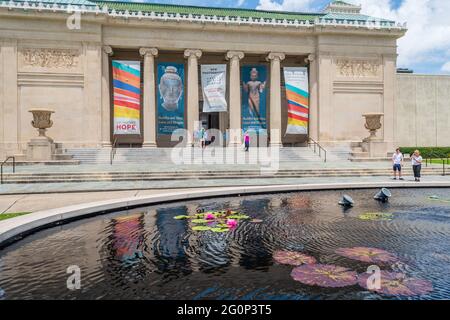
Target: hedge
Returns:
[428, 152]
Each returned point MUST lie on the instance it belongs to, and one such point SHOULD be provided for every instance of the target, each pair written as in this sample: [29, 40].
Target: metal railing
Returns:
[432, 158]
[3, 163]
[113, 151]
[317, 147]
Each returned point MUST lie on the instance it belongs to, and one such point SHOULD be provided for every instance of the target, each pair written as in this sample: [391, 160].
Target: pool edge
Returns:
[14, 229]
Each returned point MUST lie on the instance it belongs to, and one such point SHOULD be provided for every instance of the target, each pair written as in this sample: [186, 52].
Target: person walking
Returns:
[246, 141]
[397, 161]
[416, 161]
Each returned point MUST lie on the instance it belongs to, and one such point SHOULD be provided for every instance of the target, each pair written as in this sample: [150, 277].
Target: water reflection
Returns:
[146, 253]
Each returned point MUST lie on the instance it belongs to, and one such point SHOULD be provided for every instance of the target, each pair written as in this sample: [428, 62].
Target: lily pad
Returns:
[182, 217]
[201, 228]
[239, 217]
[376, 216]
[397, 284]
[220, 230]
[293, 258]
[328, 276]
[222, 225]
[370, 255]
[200, 221]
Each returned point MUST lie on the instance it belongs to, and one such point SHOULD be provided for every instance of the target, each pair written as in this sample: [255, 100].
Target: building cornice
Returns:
[319, 23]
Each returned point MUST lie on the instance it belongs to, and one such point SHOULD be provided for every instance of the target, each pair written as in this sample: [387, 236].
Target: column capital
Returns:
[235, 55]
[276, 56]
[108, 50]
[193, 53]
[148, 51]
[310, 58]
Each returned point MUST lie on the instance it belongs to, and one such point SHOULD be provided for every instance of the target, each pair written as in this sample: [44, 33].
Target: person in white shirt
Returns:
[416, 161]
[397, 161]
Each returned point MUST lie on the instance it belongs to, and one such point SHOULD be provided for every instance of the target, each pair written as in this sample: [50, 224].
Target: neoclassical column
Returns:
[313, 98]
[275, 95]
[106, 98]
[192, 91]
[235, 96]
[149, 104]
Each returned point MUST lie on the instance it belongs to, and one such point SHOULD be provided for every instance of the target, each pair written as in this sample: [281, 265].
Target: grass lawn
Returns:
[5, 216]
[439, 161]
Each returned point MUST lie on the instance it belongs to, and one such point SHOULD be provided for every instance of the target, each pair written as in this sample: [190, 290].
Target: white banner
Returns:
[214, 78]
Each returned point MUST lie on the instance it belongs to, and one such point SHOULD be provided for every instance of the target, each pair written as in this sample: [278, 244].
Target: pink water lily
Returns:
[210, 216]
[232, 223]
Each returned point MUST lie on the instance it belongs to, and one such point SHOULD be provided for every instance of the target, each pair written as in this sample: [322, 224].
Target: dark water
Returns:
[146, 254]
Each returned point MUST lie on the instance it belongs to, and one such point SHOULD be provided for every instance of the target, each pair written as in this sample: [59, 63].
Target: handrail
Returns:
[3, 163]
[317, 145]
[113, 151]
[445, 161]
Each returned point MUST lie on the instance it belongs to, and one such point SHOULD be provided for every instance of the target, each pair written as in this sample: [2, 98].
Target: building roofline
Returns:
[299, 13]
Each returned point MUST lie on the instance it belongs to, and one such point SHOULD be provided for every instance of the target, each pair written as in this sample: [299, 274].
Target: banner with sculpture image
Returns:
[297, 95]
[214, 78]
[254, 98]
[170, 95]
[126, 96]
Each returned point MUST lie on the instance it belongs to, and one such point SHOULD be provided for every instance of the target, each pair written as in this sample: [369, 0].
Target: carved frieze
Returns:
[358, 68]
[50, 58]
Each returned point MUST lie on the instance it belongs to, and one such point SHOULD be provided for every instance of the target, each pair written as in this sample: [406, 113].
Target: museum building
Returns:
[130, 74]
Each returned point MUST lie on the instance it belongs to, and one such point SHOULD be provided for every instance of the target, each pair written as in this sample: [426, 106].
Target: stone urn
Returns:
[42, 121]
[373, 123]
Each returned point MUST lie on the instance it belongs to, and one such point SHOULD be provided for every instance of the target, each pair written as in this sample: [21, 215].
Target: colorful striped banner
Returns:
[297, 95]
[127, 96]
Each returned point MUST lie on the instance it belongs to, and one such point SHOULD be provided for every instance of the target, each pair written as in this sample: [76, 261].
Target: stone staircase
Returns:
[197, 175]
[164, 155]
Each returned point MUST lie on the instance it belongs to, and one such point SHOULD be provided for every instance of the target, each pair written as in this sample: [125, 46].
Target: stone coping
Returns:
[16, 228]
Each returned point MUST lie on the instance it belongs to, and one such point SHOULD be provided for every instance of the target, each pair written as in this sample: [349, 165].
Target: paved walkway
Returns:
[36, 197]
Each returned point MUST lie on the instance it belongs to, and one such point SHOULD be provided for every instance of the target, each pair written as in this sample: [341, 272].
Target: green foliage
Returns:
[428, 152]
[5, 216]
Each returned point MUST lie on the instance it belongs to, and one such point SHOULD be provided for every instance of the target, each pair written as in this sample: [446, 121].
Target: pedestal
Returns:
[40, 149]
[375, 147]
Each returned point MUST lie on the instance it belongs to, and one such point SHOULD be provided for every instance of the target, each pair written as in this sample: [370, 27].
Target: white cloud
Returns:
[428, 36]
[286, 5]
[446, 67]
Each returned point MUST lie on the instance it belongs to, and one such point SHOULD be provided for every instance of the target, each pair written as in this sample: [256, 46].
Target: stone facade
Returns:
[45, 64]
[422, 110]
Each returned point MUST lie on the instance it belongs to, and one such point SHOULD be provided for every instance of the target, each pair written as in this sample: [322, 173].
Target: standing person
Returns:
[247, 141]
[397, 161]
[202, 137]
[416, 160]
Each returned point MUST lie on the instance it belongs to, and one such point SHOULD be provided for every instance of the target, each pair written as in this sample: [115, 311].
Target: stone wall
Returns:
[422, 112]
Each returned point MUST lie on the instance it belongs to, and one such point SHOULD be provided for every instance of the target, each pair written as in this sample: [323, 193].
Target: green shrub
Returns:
[428, 152]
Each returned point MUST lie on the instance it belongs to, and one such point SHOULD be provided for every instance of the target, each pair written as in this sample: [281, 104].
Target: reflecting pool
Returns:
[146, 253]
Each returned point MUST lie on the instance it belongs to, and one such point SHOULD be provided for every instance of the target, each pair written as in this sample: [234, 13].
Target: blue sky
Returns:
[425, 48]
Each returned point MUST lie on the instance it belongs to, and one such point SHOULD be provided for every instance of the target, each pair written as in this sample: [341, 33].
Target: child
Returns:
[247, 141]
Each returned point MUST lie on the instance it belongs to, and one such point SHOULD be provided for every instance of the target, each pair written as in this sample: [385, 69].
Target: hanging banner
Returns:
[214, 78]
[127, 96]
[170, 97]
[254, 97]
[297, 95]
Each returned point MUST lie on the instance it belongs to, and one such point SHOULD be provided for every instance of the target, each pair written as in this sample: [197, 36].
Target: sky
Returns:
[425, 48]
